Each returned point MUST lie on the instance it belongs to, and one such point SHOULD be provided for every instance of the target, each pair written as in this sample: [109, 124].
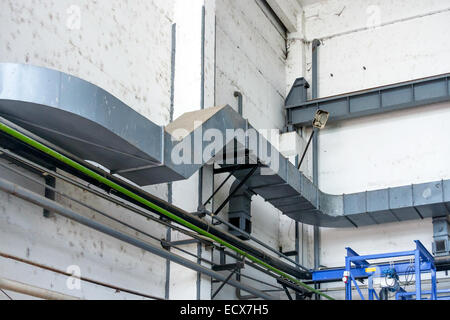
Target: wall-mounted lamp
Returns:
[319, 122]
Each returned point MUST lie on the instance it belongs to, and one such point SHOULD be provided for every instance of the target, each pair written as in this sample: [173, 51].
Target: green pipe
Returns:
[39, 146]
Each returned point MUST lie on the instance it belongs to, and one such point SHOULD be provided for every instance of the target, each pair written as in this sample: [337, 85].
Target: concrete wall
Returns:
[251, 59]
[127, 51]
[367, 44]
[124, 49]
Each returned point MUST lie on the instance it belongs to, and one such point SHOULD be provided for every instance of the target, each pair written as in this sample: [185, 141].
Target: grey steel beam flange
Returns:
[404, 95]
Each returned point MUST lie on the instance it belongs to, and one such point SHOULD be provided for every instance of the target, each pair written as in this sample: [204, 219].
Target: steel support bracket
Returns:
[231, 266]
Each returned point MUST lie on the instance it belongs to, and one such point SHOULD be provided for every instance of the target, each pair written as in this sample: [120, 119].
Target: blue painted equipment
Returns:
[358, 267]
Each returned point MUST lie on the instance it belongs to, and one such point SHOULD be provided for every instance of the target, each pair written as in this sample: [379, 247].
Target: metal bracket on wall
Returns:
[217, 171]
[300, 292]
[168, 244]
[287, 292]
[231, 266]
[289, 253]
[234, 168]
[49, 193]
[242, 182]
[368, 102]
[234, 266]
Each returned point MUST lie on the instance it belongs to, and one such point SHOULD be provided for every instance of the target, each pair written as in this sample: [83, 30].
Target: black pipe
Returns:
[442, 263]
[50, 205]
[41, 158]
[306, 149]
[49, 193]
[238, 95]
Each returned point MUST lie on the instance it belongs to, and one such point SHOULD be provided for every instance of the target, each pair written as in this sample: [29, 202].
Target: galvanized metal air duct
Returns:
[441, 236]
[89, 122]
[239, 210]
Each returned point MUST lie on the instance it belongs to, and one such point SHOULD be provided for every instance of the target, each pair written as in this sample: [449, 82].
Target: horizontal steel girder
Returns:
[368, 102]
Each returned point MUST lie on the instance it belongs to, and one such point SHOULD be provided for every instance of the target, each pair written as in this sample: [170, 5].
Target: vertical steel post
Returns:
[315, 94]
[371, 287]
[418, 277]
[433, 284]
[200, 173]
[348, 285]
[170, 185]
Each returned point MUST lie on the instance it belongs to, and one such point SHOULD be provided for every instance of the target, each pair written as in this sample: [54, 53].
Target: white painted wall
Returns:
[394, 41]
[251, 59]
[124, 49]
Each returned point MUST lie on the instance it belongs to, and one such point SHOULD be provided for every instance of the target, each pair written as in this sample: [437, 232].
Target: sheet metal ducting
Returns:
[94, 125]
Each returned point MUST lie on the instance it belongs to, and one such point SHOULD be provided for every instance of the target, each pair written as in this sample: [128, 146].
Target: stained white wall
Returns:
[251, 59]
[124, 49]
[367, 44]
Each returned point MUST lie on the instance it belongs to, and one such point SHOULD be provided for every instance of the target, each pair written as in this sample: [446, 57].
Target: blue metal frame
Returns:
[356, 266]
[409, 295]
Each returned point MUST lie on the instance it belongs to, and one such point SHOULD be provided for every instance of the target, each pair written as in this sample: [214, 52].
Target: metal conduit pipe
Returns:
[120, 188]
[238, 95]
[33, 291]
[84, 279]
[37, 153]
[140, 198]
[64, 195]
[240, 296]
[34, 198]
[31, 166]
[315, 93]
[54, 174]
[250, 237]
[39, 168]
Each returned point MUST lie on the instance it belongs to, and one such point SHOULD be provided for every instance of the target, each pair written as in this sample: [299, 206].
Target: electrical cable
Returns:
[410, 271]
[100, 212]
[68, 180]
[25, 163]
[139, 199]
